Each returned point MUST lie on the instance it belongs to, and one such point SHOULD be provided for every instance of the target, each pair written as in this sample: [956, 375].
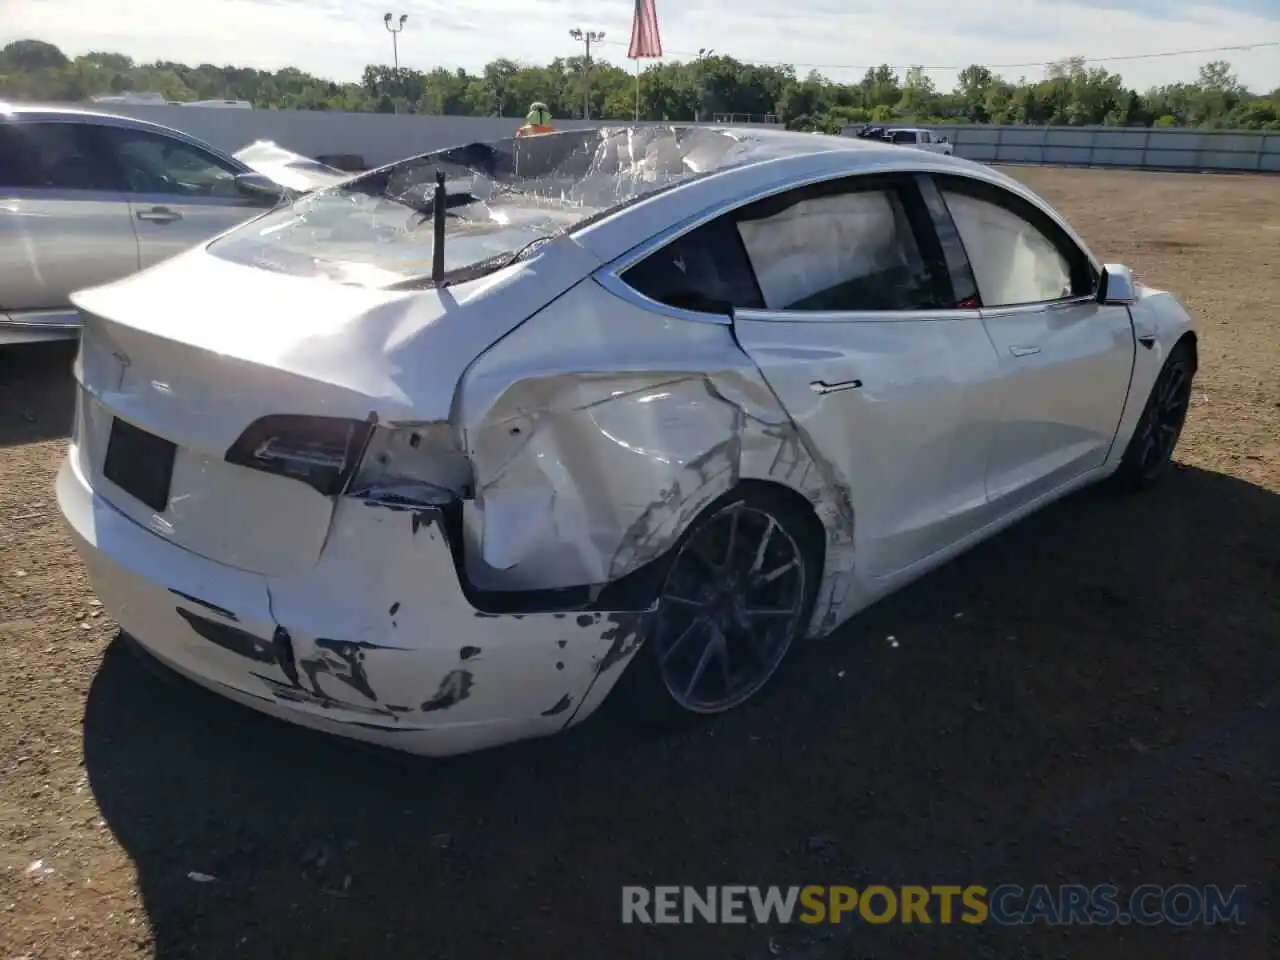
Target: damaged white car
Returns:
[439, 457]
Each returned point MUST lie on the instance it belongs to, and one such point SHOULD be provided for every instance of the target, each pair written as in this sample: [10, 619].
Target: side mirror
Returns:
[1116, 286]
[259, 187]
[943, 140]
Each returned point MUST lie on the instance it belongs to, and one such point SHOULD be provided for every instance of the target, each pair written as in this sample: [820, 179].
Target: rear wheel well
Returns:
[816, 533]
[645, 693]
[639, 588]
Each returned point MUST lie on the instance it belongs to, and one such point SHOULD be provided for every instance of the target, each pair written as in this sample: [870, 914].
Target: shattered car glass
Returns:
[376, 230]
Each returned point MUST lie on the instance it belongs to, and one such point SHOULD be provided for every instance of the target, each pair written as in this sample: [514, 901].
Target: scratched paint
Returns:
[220, 611]
[624, 636]
[454, 688]
[240, 642]
[560, 706]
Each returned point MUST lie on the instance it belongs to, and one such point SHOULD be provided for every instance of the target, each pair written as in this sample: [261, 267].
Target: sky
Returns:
[337, 38]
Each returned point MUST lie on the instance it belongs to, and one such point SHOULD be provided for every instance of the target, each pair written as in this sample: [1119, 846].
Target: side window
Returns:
[704, 270]
[53, 156]
[1019, 256]
[152, 163]
[904, 136]
[833, 248]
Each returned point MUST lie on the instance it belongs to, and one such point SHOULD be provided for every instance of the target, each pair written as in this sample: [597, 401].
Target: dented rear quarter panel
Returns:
[598, 431]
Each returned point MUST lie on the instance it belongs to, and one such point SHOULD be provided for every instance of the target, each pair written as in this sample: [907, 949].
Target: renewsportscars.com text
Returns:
[1007, 904]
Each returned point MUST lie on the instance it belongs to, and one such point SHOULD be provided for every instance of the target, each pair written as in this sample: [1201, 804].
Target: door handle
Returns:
[159, 215]
[1024, 351]
[822, 387]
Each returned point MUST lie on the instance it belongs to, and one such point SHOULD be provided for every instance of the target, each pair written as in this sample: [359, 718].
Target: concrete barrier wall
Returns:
[1242, 151]
[381, 138]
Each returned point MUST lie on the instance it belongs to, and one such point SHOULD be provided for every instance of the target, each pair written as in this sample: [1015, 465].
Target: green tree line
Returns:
[1071, 93]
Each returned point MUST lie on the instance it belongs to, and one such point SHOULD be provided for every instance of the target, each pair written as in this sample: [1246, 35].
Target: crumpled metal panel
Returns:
[582, 478]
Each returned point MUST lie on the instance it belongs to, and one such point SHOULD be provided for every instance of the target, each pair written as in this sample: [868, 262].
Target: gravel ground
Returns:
[1091, 697]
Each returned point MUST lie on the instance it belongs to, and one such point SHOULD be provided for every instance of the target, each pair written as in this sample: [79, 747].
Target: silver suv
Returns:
[87, 198]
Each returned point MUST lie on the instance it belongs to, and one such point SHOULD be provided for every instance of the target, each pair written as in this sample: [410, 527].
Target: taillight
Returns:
[322, 452]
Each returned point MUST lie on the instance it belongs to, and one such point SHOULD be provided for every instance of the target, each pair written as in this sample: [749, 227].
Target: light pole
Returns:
[703, 53]
[588, 37]
[395, 28]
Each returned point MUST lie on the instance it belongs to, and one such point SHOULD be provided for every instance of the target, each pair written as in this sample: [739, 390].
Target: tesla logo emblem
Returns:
[124, 362]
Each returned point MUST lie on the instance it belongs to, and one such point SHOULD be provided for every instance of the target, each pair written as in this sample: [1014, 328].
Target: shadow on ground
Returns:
[1089, 698]
[37, 399]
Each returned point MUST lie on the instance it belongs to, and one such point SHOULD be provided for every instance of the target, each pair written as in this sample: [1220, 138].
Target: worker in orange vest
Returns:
[538, 120]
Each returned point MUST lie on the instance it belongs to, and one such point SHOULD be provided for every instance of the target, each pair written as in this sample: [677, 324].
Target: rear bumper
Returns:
[377, 642]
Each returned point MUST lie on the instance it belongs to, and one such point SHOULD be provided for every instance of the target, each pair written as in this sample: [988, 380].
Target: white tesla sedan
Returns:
[441, 456]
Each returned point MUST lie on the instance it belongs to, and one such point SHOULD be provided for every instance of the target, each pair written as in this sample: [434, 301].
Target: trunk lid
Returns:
[196, 349]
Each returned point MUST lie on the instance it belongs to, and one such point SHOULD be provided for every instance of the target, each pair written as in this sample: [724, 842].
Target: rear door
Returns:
[868, 334]
[64, 220]
[179, 194]
[1065, 359]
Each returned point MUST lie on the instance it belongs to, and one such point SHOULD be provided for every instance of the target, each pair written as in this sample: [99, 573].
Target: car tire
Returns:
[734, 594]
[1150, 450]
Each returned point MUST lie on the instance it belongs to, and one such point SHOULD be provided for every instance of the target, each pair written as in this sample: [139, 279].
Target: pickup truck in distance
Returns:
[920, 139]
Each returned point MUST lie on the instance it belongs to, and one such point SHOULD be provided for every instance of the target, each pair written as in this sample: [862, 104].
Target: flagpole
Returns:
[646, 44]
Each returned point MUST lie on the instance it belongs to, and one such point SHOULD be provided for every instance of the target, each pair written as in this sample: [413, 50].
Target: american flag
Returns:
[645, 40]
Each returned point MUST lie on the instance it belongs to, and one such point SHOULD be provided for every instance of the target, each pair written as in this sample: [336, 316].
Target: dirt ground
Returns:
[1091, 697]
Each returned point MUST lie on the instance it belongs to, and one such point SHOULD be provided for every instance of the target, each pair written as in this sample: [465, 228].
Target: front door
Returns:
[1065, 359]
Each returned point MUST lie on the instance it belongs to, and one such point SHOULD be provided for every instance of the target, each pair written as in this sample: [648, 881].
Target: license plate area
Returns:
[140, 464]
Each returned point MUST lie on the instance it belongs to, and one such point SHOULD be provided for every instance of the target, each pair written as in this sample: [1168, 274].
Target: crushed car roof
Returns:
[503, 198]
[603, 168]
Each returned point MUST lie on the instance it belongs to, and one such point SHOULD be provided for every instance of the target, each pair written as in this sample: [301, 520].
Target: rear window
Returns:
[377, 242]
